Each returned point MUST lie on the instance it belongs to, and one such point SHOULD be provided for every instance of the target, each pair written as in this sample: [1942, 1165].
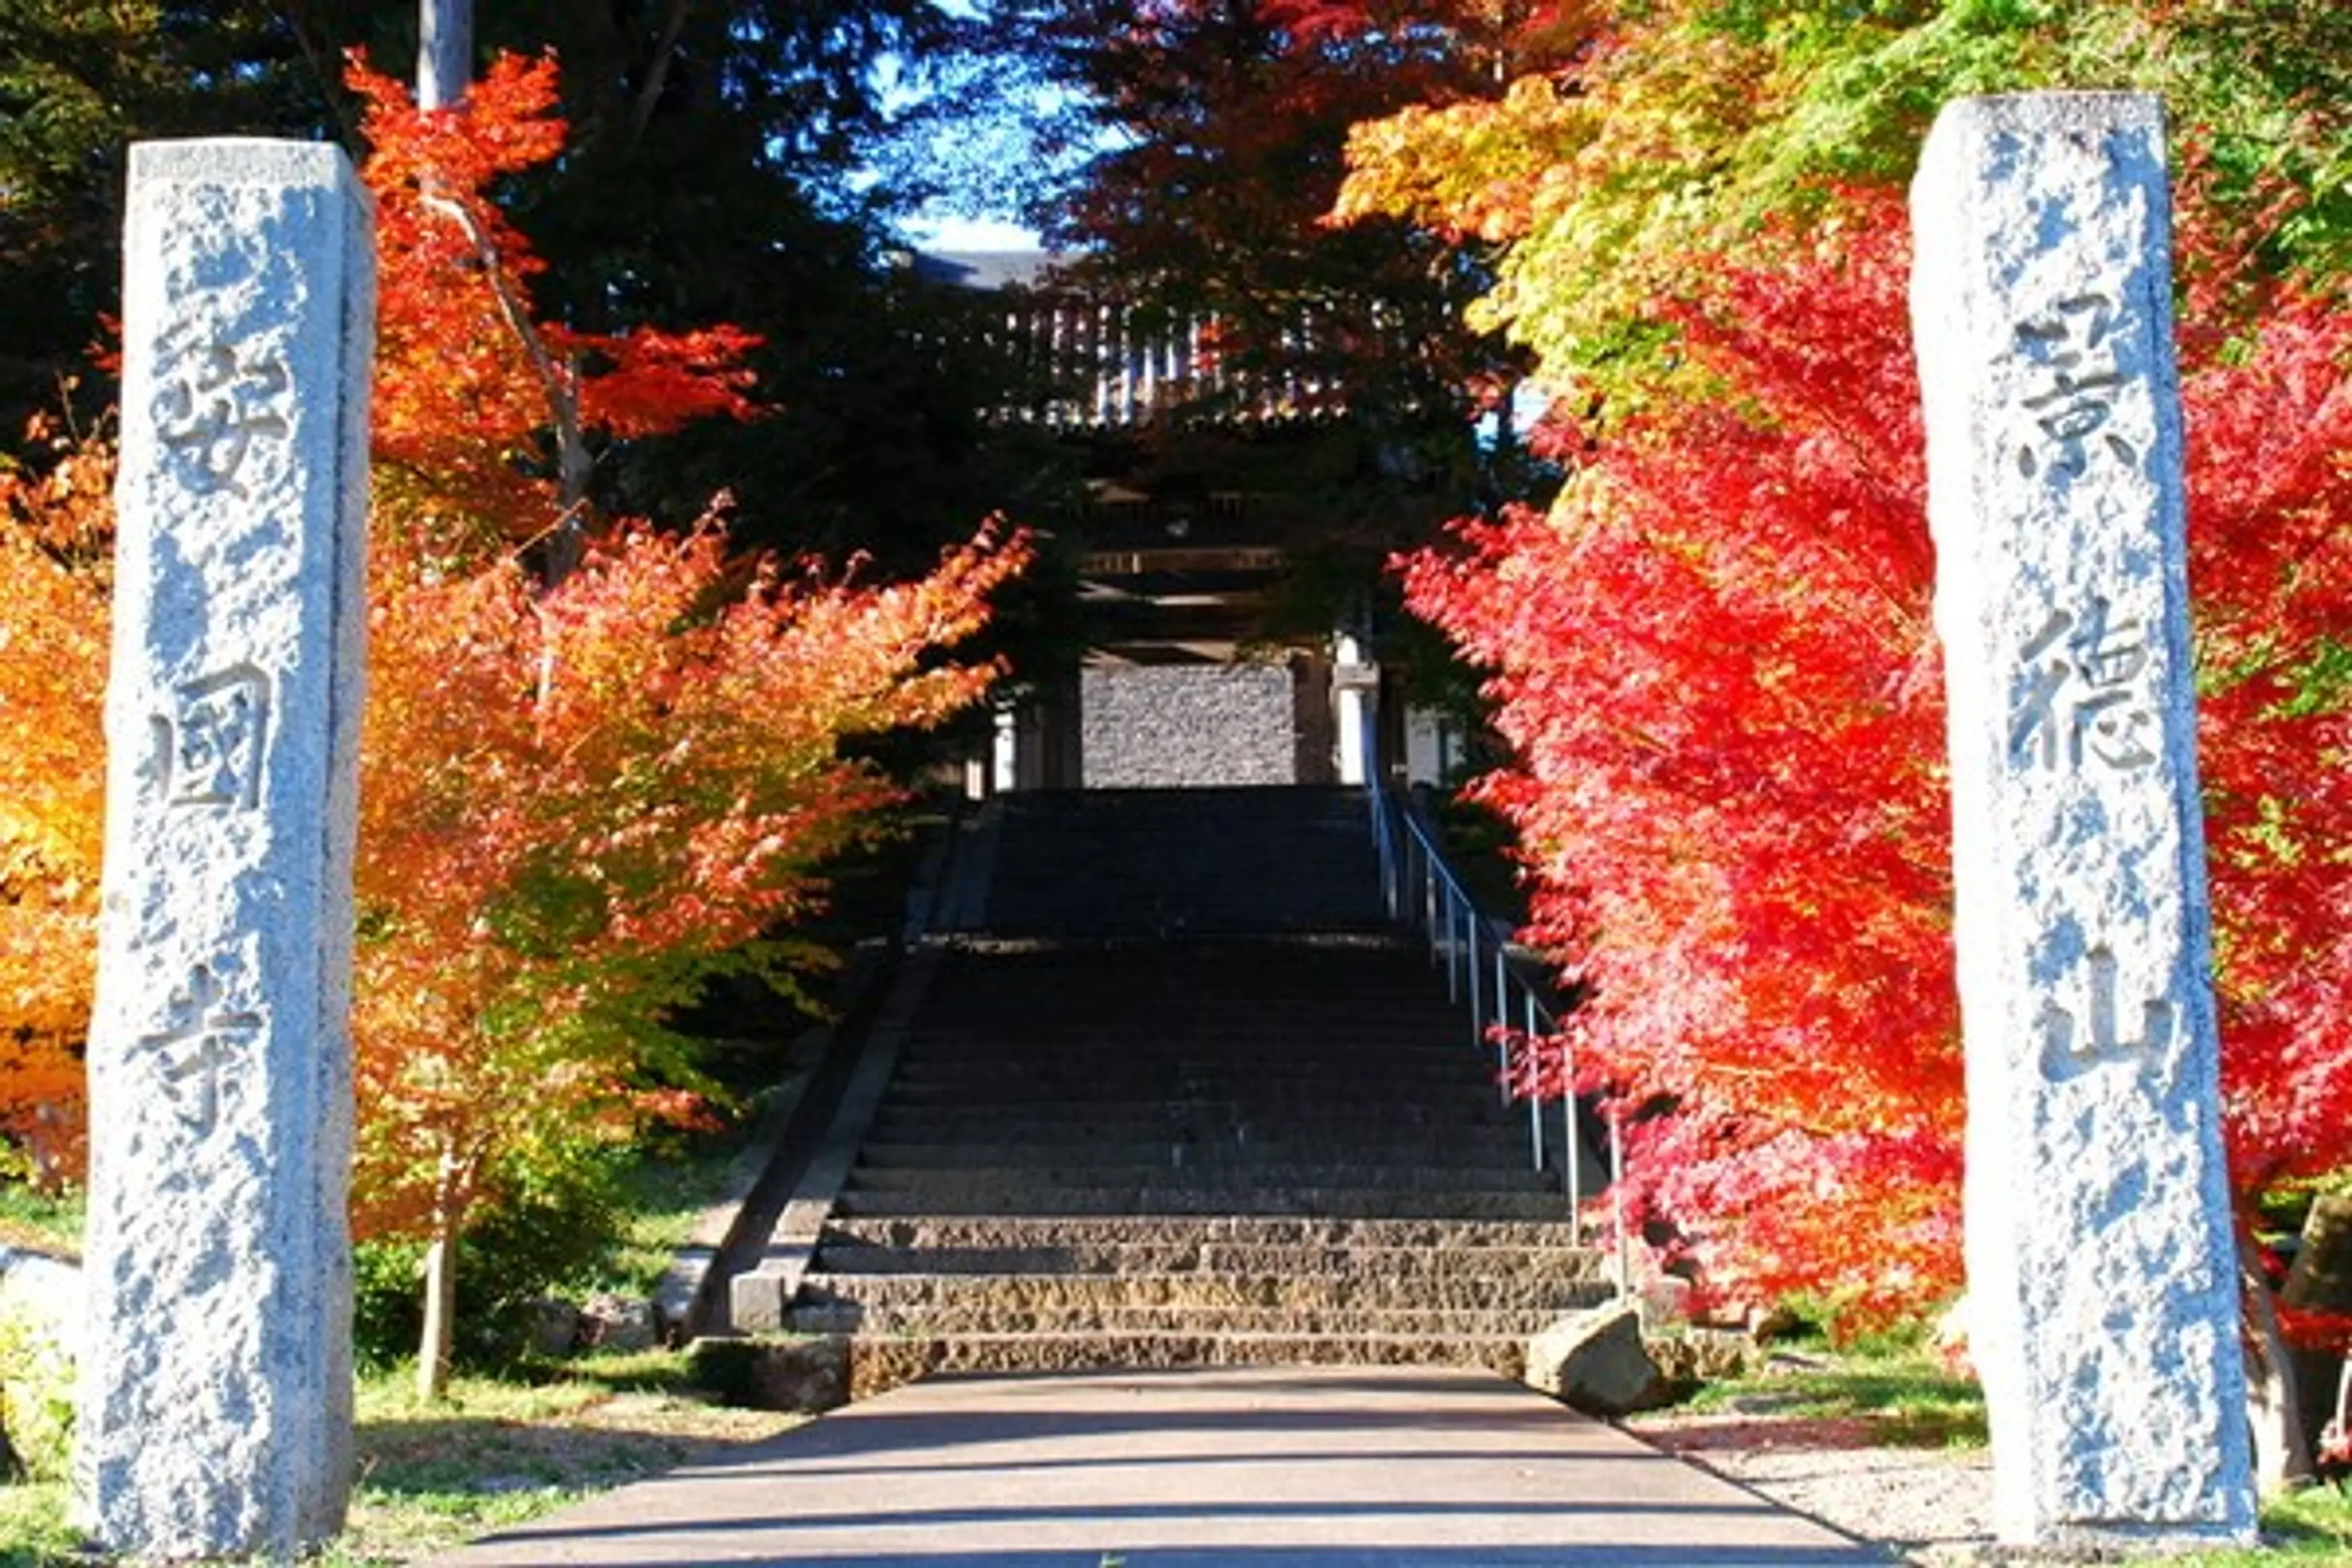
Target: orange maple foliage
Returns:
[482, 410]
[56, 530]
[576, 806]
[577, 803]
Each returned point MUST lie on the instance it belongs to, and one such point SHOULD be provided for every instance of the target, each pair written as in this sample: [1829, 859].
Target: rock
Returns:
[615, 1323]
[809, 1373]
[554, 1327]
[1596, 1361]
[1704, 1355]
[45, 1288]
[1766, 1324]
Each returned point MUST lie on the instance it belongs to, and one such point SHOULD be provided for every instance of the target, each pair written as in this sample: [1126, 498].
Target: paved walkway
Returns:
[1290, 1468]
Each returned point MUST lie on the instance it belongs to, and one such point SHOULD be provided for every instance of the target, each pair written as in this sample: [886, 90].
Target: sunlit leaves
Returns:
[55, 531]
[1714, 666]
[577, 806]
[1621, 177]
[480, 402]
[577, 803]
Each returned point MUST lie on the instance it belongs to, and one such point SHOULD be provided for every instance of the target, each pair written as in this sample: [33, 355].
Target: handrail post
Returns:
[1501, 999]
[1429, 908]
[1572, 1135]
[1470, 969]
[1535, 1101]
[1453, 953]
[1617, 1199]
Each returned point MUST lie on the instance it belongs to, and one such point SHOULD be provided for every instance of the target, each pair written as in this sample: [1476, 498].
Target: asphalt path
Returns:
[1241, 1468]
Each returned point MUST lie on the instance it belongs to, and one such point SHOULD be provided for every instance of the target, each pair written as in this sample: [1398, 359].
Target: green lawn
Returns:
[496, 1454]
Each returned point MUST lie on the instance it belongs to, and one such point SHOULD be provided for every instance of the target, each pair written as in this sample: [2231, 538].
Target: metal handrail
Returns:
[1421, 892]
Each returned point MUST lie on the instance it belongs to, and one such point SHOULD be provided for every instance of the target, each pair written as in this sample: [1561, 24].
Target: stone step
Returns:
[946, 1198]
[1211, 1178]
[1267, 1066]
[1551, 1265]
[1556, 1265]
[882, 1361]
[1358, 1288]
[998, 1318]
[1434, 1236]
[1181, 1153]
[1291, 1002]
[1214, 1061]
[1320, 1104]
[1419, 1138]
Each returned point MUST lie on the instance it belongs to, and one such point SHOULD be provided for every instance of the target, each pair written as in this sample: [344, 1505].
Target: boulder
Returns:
[554, 1326]
[810, 1374]
[612, 1322]
[1695, 1355]
[1595, 1361]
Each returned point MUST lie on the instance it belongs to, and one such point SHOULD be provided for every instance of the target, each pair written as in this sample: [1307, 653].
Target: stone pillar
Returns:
[1355, 682]
[215, 1413]
[2103, 1289]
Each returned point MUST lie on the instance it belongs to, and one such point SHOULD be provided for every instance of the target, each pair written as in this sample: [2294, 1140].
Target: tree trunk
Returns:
[440, 1318]
[2320, 1282]
[2274, 1406]
[445, 52]
[432, 1349]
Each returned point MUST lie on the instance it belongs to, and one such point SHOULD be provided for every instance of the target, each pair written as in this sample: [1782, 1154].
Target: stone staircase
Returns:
[1177, 1097]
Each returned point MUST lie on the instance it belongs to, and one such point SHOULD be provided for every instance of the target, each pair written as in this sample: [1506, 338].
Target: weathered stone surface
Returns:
[2101, 1282]
[1695, 1355]
[554, 1326]
[810, 1374]
[614, 1322]
[216, 1416]
[1596, 1361]
[1181, 726]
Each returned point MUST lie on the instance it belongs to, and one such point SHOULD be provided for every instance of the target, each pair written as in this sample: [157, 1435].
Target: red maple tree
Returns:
[1714, 664]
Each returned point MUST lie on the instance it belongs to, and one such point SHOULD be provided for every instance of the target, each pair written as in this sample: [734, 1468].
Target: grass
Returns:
[662, 1198]
[2306, 1528]
[1901, 1396]
[493, 1455]
[40, 1222]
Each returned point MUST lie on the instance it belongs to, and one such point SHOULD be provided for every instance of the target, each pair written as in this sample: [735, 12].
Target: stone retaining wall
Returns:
[1189, 726]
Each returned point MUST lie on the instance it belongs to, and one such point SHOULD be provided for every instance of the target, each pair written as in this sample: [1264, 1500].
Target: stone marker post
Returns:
[2101, 1286]
[215, 1411]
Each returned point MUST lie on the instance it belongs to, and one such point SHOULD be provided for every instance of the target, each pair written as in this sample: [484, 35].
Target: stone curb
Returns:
[683, 1297]
[951, 892]
[758, 1299]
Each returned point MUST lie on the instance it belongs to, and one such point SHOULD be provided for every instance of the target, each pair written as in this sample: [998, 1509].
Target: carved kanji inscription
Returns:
[210, 743]
[217, 400]
[201, 1047]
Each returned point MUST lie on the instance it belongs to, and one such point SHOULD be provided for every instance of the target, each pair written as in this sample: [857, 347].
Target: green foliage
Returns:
[36, 1394]
[1901, 1396]
[1629, 182]
[79, 82]
[35, 1525]
[549, 1237]
[36, 1219]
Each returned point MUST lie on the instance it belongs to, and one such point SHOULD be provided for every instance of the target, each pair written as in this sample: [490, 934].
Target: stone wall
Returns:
[1188, 726]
